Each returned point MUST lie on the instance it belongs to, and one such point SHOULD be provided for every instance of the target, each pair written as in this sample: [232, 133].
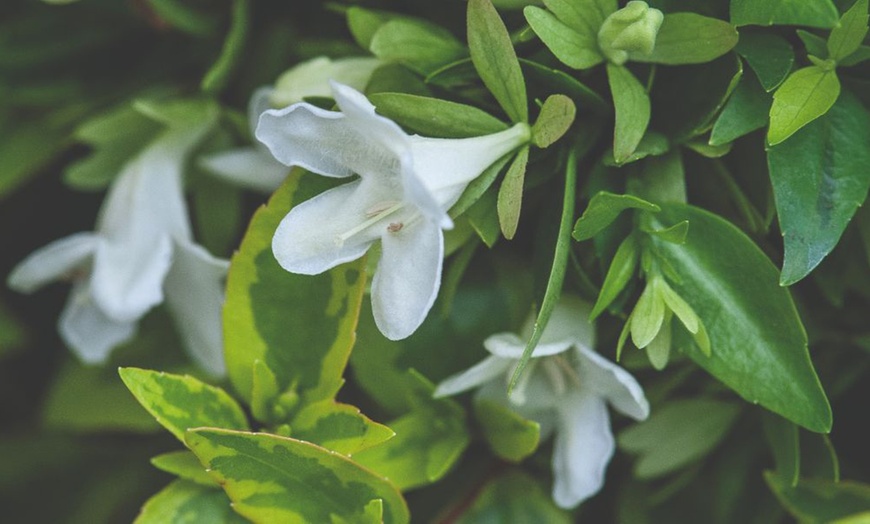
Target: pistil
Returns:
[374, 214]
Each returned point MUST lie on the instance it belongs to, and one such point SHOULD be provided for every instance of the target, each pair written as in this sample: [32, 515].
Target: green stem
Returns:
[216, 78]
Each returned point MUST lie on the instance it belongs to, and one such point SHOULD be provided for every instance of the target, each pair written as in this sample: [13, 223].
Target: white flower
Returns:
[141, 249]
[253, 166]
[565, 388]
[405, 185]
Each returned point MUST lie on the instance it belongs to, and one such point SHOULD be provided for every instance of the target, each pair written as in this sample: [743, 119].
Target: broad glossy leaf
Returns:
[745, 111]
[574, 49]
[689, 38]
[510, 436]
[554, 120]
[184, 501]
[418, 45]
[301, 327]
[338, 427]
[436, 117]
[603, 209]
[632, 106]
[805, 95]
[678, 433]
[495, 60]
[821, 501]
[182, 402]
[770, 56]
[276, 479]
[184, 464]
[813, 13]
[820, 178]
[514, 497]
[510, 194]
[846, 37]
[759, 346]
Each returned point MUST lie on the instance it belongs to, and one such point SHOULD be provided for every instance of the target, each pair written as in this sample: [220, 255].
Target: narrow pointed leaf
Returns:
[849, 33]
[603, 209]
[759, 346]
[510, 194]
[632, 106]
[495, 60]
[276, 479]
[820, 178]
[618, 275]
[647, 316]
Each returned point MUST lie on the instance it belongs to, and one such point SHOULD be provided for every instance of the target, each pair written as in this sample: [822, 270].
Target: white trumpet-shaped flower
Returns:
[565, 388]
[406, 185]
[254, 167]
[141, 254]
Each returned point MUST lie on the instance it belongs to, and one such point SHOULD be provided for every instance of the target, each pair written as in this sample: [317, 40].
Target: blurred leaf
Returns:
[514, 497]
[182, 402]
[26, 150]
[435, 117]
[820, 178]
[300, 326]
[421, 46]
[805, 95]
[784, 440]
[183, 501]
[813, 13]
[676, 434]
[689, 38]
[495, 60]
[816, 501]
[632, 106]
[276, 479]
[184, 464]
[603, 209]
[759, 346]
[510, 436]
[12, 335]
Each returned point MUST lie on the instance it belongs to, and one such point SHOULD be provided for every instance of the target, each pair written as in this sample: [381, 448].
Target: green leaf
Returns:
[364, 23]
[862, 54]
[184, 464]
[652, 144]
[478, 188]
[182, 402]
[510, 194]
[603, 209]
[300, 326]
[420, 46]
[483, 217]
[87, 399]
[553, 122]
[618, 275]
[578, 50]
[817, 501]
[510, 436]
[514, 497]
[495, 60]
[662, 179]
[805, 95]
[647, 316]
[677, 434]
[689, 38]
[339, 427]
[770, 56]
[184, 501]
[221, 72]
[759, 346]
[12, 334]
[784, 441]
[675, 234]
[820, 178]
[816, 45]
[435, 117]
[846, 37]
[276, 479]
[26, 150]
[745, 111]
[583, 16]
[632, 106]
[813, 13]
[560, 82]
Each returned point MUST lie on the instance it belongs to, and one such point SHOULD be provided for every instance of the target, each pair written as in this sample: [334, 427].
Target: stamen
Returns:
[566, 368]
[395, 227]
[554, 372]
[382, 213]
[379, 208]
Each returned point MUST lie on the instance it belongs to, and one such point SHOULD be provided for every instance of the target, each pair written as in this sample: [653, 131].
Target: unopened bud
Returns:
[631, 30]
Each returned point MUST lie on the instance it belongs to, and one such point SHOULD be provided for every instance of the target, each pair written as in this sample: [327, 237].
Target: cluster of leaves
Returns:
[670, 151]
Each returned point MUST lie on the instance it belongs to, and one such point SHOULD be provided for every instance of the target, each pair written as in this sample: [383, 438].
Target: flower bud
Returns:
[631, 30]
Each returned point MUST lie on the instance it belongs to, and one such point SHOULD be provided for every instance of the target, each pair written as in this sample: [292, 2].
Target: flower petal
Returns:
[311, 78]
[509, 345]
[613, 383]
[195, 294]
[248, 167]
[477, 375]
[260, 103]
[87, 330]
[407, 278]
[306, 240]
[127, 277]
[582, 448]
[52, 262]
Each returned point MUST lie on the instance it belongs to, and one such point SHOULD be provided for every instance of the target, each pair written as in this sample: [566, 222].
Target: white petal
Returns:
[613, 383]
[509, 345]
[311, 78]
[477, 375]
[195, 294]
[259, 104]
[249, 167]
[407, 278]
[581, 450]
[496, 391]
[127, 277]
[87, 330]
[52, 262]
[569, 323]
[306, 240]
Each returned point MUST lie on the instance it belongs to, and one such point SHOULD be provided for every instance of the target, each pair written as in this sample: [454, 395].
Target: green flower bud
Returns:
[630, 31]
